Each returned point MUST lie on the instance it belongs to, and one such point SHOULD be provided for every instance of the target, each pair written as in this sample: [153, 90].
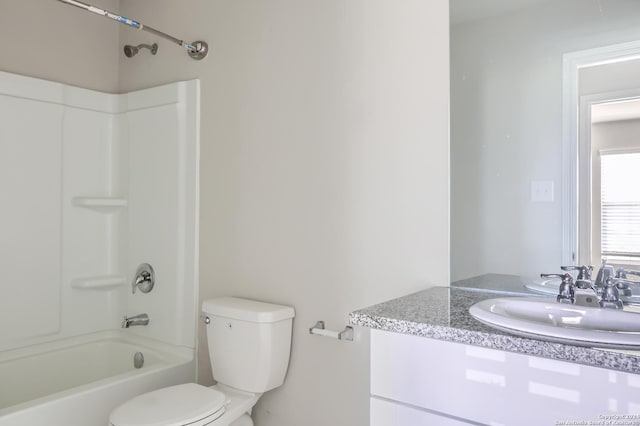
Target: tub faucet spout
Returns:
[142, 319]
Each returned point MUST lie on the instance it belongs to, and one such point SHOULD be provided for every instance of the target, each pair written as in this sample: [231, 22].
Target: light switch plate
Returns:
[541, 191]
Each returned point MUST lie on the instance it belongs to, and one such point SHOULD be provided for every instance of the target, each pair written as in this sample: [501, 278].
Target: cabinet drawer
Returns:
[495, 387]
[387, 413]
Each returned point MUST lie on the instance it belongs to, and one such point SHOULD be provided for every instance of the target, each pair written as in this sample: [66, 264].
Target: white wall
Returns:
[54, 41]
[324, 168]
[506, 129]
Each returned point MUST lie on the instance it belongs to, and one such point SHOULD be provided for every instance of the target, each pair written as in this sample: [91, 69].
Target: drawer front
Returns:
[387, 413]
[495, 387]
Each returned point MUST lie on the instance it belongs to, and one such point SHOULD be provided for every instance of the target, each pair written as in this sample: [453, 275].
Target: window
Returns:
[620, 206]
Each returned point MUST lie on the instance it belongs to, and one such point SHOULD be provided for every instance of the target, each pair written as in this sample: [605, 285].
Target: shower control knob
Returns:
[144, 279]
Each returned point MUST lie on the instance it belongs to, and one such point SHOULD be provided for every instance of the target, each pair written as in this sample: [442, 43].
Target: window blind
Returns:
[620, 204]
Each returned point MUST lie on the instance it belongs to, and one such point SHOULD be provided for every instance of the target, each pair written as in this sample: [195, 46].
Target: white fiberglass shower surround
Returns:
[94, 184]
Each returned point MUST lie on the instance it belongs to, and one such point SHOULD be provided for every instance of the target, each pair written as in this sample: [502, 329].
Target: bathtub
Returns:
[79, 381]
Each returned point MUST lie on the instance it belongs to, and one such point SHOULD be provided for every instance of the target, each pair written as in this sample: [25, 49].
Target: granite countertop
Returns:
[443, 313]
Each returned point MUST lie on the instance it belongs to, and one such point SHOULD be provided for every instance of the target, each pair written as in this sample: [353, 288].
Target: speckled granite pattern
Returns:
[443, 313]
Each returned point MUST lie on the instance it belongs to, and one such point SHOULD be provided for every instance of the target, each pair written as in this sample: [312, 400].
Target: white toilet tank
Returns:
[249, 342]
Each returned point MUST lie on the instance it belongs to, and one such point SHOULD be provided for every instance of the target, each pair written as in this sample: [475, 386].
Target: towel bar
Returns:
[346, 334]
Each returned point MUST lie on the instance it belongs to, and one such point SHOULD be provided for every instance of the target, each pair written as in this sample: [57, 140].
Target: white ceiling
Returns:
[470, 10]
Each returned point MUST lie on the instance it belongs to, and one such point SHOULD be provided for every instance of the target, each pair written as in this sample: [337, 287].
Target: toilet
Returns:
[249, 344]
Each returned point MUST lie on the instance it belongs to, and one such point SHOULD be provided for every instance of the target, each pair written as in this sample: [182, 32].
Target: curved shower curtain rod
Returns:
[196, 50]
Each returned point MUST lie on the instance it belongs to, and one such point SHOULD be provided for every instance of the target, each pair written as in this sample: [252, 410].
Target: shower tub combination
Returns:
[94, 184]
[78, 381]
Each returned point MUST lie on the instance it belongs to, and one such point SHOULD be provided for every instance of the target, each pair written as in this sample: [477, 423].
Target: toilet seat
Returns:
[187, 404]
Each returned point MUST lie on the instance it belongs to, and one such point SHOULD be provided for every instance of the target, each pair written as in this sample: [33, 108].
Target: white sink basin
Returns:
[544, 318]
[544, 286]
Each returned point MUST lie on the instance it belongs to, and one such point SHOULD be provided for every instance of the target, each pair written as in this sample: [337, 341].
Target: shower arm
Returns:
[196, 50]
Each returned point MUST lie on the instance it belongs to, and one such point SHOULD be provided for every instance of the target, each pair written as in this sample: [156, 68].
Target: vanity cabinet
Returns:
[387, 413]
[424, 381]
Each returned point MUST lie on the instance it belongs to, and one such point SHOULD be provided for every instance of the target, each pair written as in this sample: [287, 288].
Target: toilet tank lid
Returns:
[247, 310]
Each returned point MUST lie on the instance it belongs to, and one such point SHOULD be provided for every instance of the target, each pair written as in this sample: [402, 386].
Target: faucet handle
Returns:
[566, 292]
[584, 272]
[565, 277]
[610, 295]
[144, 279]
[605, 272]
[623, 284]
[622, 273]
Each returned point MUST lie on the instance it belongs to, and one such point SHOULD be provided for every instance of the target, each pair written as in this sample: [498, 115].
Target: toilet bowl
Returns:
[187, 404]
[249, 344]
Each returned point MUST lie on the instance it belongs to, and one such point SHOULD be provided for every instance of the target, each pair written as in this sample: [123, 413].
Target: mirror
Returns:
[507, 125]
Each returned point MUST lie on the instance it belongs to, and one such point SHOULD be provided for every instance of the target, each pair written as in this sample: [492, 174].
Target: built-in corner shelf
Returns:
[99, 203]
[103, 282]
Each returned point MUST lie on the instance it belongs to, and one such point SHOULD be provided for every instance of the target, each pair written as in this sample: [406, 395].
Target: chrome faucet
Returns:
[610, 296]
[622, 273]
[623, 286]
[142, 319]
[583, 280]
[566, 293]
[605, 272]
[606, 288]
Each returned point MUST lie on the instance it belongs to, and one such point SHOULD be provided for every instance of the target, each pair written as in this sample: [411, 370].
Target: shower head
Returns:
[131, 51]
